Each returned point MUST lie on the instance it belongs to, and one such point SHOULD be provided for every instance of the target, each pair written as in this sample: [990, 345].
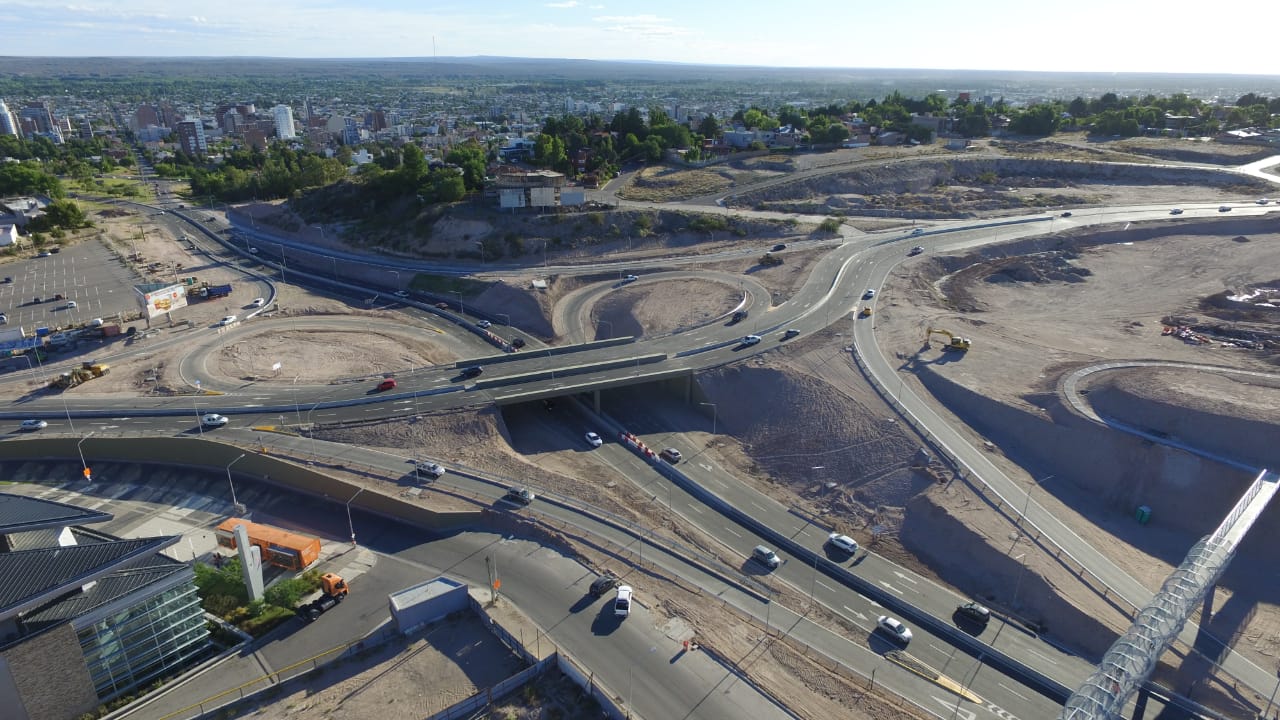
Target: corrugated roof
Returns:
[33, 577]
[19, 513]
[134, 575]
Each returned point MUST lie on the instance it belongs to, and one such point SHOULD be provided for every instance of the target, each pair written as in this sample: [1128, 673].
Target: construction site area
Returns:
[989, 335]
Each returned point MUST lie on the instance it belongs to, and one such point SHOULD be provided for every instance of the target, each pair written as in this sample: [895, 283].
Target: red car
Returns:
[387, 384]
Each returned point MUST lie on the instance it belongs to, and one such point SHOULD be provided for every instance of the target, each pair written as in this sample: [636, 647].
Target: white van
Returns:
[622, 605]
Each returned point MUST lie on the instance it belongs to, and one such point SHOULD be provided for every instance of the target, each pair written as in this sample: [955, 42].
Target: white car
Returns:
[630, 278]
[1264, 201]
[868, 294]
[253, 250]
[402, 293]
[71, 305]
[435, 470]
[750, 339]
[622, 603]
[843, 542]
[918, 231]
[593, 440]
[33, 425]
[1176, 211]
[258, 302]
[228, 320]
[213, 420]
[484, 324]
[894, 629]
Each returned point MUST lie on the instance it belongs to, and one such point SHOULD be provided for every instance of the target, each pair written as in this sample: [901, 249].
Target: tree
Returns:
[549, 151]
[709, 127]
[758, 119]
[792, 116]
[59, 214]
[470, 158]
[1042, 119]
[412, 162]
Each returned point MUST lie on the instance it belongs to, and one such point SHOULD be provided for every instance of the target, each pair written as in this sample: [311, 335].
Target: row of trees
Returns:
[1109, 114]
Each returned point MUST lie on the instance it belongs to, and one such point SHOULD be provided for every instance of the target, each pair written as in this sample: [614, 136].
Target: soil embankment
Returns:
[1189, 406]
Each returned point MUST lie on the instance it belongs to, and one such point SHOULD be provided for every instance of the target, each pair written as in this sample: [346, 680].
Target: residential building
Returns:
[8, 121]
[8, 234]
[86, 617]
[191, 138]
[39, 115]
[520, 189]
[283, 116]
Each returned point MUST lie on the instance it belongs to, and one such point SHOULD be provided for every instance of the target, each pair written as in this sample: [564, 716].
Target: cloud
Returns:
[647, 25]
[565, 4]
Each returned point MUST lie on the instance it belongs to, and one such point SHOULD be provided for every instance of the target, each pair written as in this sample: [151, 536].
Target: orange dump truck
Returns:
[279, 547]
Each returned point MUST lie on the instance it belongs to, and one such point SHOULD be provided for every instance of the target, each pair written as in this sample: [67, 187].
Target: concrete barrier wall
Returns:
[212, 456]
[565, 350]
[570, 371]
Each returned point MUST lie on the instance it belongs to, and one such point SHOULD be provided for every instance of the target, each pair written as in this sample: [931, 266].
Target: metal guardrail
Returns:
[960, 468]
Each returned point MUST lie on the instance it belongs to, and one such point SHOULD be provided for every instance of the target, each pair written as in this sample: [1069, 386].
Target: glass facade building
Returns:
[137, 639]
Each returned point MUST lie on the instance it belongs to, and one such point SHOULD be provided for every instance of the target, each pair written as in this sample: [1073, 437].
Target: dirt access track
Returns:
[1098, 295]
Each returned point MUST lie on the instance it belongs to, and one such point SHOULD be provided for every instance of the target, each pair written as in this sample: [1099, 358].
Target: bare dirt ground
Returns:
[1028, 325]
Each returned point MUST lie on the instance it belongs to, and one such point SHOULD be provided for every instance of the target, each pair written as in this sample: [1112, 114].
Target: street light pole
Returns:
[311, 429]
[350, 525]
[282, 263]
[507, 317]
[397, 274]
[234, 502]
[714, 414]
[1027, 505]
[297, 411]
[84, 464]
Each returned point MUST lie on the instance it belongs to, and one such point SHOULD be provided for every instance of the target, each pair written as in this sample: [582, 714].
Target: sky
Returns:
[1084, 35]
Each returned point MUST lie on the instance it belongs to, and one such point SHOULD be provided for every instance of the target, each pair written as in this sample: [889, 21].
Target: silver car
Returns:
[894, 629]
[843, 542]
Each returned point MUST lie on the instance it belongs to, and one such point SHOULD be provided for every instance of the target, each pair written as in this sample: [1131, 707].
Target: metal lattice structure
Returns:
[1130, 661]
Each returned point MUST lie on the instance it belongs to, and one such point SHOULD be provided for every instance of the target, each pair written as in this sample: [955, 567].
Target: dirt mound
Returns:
[659, 308]
[346, 355]
[844, 458]
[1234, 415]
[964, 186]
[527, 309]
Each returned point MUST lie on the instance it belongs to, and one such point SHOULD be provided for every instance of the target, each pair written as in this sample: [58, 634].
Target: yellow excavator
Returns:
[955, 342]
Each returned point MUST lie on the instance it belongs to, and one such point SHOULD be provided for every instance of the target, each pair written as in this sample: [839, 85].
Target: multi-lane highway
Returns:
[830, 292]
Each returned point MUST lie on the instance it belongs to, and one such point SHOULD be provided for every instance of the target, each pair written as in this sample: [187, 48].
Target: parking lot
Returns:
[87, 274]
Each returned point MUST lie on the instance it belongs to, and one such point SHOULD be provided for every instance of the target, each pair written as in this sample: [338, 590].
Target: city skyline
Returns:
[1090, 36]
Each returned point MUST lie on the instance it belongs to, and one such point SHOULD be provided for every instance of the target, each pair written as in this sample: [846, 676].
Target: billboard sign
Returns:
[162, 300]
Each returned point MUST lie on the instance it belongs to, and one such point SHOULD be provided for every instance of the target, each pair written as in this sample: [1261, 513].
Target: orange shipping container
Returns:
[279, 547]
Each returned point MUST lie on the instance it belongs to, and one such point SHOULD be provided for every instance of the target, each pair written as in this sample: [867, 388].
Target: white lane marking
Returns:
[1046, 658]
[1015, 692]
[859, 615]
[696, 509]
[953, 707]
[826, 586]
[890, 587]
[903, 576]
[732, 532]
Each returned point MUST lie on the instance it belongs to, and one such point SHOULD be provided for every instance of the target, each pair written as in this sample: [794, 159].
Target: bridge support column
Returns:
[1140, 704]
[595, 400]
[688, 388]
